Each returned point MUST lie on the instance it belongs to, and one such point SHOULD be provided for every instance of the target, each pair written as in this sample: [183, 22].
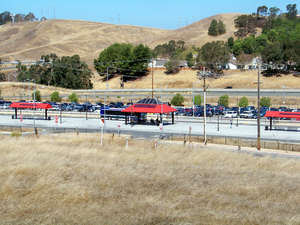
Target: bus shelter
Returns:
[25, 105]
[279, 114]
[148, 105]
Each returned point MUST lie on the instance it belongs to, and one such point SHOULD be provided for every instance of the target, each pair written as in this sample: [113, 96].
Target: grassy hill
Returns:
[87, 39]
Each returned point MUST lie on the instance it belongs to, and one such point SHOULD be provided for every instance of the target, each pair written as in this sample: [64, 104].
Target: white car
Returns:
[230, 114]
[246, 114]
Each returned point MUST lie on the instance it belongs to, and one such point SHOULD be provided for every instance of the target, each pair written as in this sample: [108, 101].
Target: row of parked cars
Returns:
[249, 112]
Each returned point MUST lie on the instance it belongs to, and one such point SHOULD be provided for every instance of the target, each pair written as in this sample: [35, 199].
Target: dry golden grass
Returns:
[74, 180]
[87, 39]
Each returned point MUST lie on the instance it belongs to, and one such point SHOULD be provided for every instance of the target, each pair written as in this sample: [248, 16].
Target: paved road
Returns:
[244, 130]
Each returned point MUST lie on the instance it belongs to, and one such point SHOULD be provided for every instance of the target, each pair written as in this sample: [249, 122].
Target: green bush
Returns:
[265, 101]
[224, 100]
[16, 134]
[38, 96]
[198, 100]
[73, 97]
[55, 97]
[243, 102]
[177, 100]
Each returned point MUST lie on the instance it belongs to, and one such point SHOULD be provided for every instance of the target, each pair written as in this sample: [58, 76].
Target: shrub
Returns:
[198, 100]
[73, 97]
[224, 100]
[38, 96]
[16, 134]
[265, 101]
[243, 102]
[55, 96]
[177, 100]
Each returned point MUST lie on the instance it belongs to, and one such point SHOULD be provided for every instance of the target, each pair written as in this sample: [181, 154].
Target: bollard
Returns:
[126, 142]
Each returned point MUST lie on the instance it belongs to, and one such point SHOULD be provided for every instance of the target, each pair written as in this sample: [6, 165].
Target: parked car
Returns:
[230, 114]
[246, 114]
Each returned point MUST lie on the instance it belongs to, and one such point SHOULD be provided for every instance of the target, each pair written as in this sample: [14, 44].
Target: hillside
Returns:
[87, 39]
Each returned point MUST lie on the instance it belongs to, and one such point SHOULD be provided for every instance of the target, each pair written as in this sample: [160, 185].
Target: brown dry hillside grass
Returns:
[87, 39]
[75, 180]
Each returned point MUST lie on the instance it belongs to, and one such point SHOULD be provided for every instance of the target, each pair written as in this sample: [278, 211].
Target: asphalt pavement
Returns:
[244, 130]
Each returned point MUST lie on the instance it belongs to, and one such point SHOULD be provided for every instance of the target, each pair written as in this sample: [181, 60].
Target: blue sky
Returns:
[155, 13]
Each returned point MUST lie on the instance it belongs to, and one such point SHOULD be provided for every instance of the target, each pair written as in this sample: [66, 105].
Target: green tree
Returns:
[291, 11]
[5, 17]
[230, 42]
[224, 100]
[197, 100]
[123, 58]
[213, 28]
[214, 54]
[243, 102]
[265, 101]
[221, 27]
[73, 97]
[177, 100]
[272, 53]
[38, 96]
[54, 97]
[272, 35]
[66, 72]
[190, 60]
[172, 66]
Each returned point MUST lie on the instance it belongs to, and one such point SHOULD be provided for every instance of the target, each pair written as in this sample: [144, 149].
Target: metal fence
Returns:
[184, 138]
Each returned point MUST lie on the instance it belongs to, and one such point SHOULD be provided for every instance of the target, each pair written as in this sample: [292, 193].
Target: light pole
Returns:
[104, 99]
[168, 91]
[132, 90]
[33, 104]
[283, 94]
[162, 113]
[94, 94]
[194, 97]
[218, 115]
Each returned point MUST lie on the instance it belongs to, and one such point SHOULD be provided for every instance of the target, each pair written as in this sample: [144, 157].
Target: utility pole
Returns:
[258, 107]
[203, 75]
[152, 77]
[119, 18]
[186, 22]
[238, 112]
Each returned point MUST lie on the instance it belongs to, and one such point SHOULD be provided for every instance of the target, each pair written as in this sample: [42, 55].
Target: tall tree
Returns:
[5, 17]
[213, 28]
[214, 54]
[29, 17]
[291, 11]
[262, 10]
[221, 27]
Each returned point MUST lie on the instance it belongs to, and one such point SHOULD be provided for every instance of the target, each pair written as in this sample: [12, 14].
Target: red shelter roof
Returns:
[279, 114]
[149, 108]
[24, 105]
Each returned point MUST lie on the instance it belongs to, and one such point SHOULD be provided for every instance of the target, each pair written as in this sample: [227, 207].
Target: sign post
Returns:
[190, 131]
[101, 124]
[21, 117]
[119, 126]
[56, 119]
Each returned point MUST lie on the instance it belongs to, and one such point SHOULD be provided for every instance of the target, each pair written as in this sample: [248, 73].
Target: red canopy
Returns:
[279, 114]
[24, 105]
[149, 108]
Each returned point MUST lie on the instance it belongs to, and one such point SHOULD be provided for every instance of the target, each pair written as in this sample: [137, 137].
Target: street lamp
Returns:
[168, 91]
[104, 99]
[132, 89]
[162, 113]
[94, 94]
[194, 97]
[284, 94]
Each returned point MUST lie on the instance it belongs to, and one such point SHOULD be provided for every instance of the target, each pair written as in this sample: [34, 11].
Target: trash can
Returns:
[266, 127]
[49, 117]
[12, 116]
